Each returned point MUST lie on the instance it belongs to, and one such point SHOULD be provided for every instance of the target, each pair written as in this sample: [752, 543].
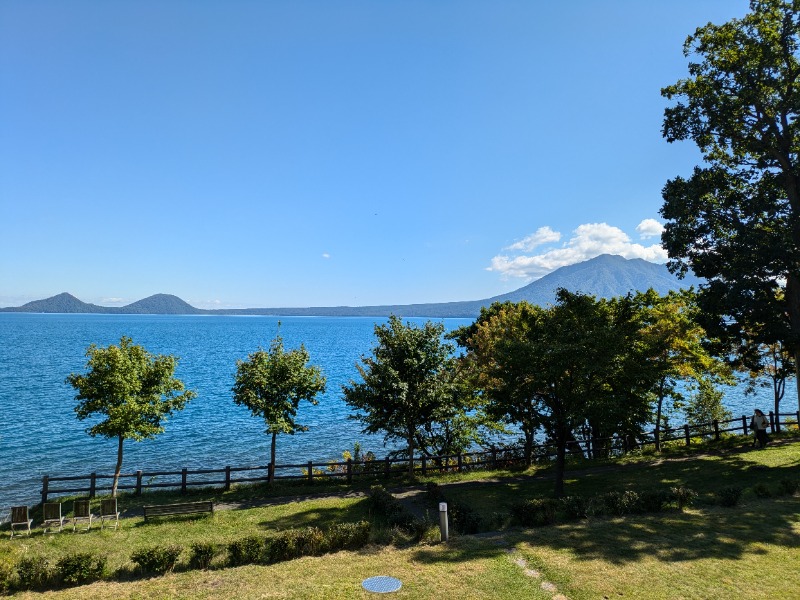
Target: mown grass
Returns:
[750, 551]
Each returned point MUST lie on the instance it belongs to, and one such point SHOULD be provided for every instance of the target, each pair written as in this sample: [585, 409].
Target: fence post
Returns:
[494, 457]
[460, 462]
[744, 425]
[388, 467]
[227, 478]
[92, 485]
[270, 472]
[138, 483]
[349, 470]
[424, 466]
[310, 471]
[771, 422]
[715, 423]
[686, 434]
[183, 480]
[797, 416]
[45, 485]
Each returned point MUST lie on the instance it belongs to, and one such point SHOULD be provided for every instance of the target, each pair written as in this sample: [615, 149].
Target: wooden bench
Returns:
[183, 508]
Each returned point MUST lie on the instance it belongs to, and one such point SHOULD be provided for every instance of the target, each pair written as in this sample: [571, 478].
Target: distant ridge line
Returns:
[604, 276]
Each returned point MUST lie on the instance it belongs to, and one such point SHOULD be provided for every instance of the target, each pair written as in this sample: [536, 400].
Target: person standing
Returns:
[759, 424]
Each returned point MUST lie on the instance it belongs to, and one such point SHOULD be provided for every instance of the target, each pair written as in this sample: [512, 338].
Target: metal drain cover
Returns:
[381, 584]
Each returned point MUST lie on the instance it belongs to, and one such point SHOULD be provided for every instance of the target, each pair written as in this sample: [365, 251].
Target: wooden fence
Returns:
[386, 467]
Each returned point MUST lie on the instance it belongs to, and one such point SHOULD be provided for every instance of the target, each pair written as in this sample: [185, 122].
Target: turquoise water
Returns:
[40, 435]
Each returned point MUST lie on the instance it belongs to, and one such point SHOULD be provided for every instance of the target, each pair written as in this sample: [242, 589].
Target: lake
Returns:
[40, 435]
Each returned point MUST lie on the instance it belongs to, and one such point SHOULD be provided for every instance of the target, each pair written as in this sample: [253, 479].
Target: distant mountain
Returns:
[160, 304]
[63, 303]
[605, 276]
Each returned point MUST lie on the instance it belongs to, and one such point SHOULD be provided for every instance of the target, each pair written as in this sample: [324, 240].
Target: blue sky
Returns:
[320, 153]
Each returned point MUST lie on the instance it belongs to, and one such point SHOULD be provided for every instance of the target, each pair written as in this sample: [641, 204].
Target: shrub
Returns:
[621, 503]
[535, 512]
[157, 559]
[202, 555]
[294, 543]
[683, 496]
[464, 518]
[6, 574]
[347, 536]
[574, 507]
[728, 496]
[383, 503]
[655, 500]
[247, 551]
[80, 568]
[761, 490]
[33, 572]
[788, 487]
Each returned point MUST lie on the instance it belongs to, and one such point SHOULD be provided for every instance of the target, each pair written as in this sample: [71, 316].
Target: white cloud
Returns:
[325, 255]
[112, 300]
[543, 235]
[649, 228]
[587, 241]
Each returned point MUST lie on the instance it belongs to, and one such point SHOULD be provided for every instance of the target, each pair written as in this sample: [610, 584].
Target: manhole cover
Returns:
[381, 584]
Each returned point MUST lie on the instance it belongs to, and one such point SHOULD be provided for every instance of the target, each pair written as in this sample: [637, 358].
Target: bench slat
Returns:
[184, 508]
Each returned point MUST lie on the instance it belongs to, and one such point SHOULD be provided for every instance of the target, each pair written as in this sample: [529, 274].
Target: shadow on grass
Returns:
[671, 537]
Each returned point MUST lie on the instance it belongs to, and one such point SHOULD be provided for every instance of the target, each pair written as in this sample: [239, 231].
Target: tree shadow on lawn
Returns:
[321, 516]
[722, 533]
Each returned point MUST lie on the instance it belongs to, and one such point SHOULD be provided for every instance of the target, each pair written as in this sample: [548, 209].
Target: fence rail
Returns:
[492, 458]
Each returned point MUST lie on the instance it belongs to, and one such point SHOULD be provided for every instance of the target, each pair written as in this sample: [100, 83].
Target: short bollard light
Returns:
[443, 521]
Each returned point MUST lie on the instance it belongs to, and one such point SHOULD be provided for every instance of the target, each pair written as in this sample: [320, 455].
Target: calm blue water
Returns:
[40, 435]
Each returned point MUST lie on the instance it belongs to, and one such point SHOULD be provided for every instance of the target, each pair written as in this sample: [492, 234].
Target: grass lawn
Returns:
[705, 552]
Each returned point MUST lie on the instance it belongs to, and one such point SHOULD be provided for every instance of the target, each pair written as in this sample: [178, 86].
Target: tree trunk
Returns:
[272, 457]
[528, 447]
[561, 460]
[411, 453]
[657, 431]
[793, 303]
[118, 468]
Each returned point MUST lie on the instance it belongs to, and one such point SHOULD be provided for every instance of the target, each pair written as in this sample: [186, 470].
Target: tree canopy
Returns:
[271, 383]
[408, 384]
[134, 390]
[736, 220]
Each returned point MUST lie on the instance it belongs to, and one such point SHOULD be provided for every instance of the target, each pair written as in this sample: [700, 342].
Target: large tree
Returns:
[134, 390]
[405, 384]
[736, 220]
[675, 347]
[271, 383]
[561, 367]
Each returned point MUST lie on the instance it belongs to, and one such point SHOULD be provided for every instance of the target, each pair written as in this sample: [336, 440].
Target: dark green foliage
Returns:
[294, 543]
[621, 503]
[535, 512]
[386, 505]
[654, 500]
[157, 559]
[80, 568]
[788, 487]
[347, 536]
[761, 490]
[6, 574]
[463, 518]
[683, 496]
[728, 496]
[202, 555]
[247, 551]
[33, 572]
[574, 507]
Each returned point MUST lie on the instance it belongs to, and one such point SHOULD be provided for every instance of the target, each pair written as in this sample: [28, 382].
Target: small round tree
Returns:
[271, 383]
[134, 390]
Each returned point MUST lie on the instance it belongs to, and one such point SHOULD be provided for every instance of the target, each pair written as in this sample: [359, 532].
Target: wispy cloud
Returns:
[113, 300]
[587, 241]
[325, 255]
